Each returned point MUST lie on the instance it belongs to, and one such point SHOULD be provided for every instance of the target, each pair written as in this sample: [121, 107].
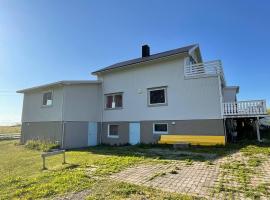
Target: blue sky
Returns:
[46, 41]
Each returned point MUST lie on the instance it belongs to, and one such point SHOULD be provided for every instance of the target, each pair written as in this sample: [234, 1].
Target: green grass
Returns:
[22, 176]
[120, 190]
[10, 129]
[41, 145]
[242, 172]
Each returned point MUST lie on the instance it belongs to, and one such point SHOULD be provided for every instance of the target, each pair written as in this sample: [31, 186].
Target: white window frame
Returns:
[42, 105]
[160, 132]
[108, 133]
[154, 89]
[113, 94]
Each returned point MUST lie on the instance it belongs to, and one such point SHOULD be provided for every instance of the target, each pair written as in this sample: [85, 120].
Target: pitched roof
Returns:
[60, 83]
[127, 63]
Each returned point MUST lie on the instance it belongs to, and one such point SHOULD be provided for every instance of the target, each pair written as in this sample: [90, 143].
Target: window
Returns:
[114, 101]
[47, 99]
[157, 96]
[160, 128]
[113, 130]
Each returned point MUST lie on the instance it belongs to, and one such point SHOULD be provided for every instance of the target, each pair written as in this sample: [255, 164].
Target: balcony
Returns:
[206, 69]
[252, 108]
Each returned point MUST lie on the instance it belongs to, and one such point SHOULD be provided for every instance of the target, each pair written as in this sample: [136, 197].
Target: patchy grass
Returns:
[236, 175]
[159, 174]
[41, 145]
[120, 190]
[10, 129]
[22, 176]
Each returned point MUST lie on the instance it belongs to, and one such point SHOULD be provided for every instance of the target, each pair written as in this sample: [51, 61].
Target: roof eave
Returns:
[143, 61]
[58, 83]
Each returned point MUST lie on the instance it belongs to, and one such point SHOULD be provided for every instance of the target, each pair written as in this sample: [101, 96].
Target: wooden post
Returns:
[44, 166]
[64, 158]
[258, 130]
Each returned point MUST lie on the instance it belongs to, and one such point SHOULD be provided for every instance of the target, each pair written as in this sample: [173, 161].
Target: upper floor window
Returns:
[47, 98]
[114, 101]
[157, 96]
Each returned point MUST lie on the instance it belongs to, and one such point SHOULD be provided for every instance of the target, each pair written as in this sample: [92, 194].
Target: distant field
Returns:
[10, 129]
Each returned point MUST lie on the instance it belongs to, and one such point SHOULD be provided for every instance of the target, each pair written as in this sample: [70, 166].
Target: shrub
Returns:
[41, 145]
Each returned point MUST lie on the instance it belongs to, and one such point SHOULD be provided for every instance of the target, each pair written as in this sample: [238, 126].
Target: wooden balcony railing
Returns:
[245, 108]
[211, 68]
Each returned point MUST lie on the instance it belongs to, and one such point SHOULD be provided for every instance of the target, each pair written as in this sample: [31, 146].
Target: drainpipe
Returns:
[63, 122]
[101, 114]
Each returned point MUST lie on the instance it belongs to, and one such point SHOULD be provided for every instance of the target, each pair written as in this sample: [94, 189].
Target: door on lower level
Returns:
[92, 133]
[134, 132]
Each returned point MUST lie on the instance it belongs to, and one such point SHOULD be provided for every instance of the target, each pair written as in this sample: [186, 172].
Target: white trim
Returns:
[42, 96]
[160, 132]
[108, 132]
[154, 89]
[113, 102]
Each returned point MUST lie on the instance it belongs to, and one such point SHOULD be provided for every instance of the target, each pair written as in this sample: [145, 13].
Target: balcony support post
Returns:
[258, 129]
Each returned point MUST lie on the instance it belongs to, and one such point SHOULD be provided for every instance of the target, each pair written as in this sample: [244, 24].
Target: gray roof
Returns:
[127, 63]
[59, 83]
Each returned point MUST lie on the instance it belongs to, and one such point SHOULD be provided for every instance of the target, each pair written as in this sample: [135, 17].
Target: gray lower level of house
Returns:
[83, 134]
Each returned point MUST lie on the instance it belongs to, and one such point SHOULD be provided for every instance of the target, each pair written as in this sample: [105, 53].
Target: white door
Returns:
[92, 133]
[134, 133]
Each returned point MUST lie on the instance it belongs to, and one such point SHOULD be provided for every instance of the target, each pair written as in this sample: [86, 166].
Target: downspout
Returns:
[221, 106]
[101, 107]
[62, 115]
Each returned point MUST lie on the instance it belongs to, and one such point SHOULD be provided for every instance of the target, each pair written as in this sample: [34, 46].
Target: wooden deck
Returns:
[254, 108]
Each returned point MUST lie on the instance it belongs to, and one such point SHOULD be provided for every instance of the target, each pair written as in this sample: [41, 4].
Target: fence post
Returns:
[64, 158]
[44, 166]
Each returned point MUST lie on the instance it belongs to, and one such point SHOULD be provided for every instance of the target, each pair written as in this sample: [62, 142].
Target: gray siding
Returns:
[229, 95]
[181, 127]
[76, 135]
[33, 111]
[49, 131]
[187, 98]
[123, 134]
[82, 102]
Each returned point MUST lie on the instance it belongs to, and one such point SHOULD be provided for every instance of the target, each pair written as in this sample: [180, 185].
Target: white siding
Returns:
[82, 102]
[187, 99]
[33, 111]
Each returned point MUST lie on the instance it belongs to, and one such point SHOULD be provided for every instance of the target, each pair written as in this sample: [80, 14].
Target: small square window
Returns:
[157, 96]
[160, 128]
[47, 99]
[113, 130]
[114, 101]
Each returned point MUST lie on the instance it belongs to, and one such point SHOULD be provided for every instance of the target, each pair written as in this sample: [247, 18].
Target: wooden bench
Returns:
[48, 154]
[192, 139]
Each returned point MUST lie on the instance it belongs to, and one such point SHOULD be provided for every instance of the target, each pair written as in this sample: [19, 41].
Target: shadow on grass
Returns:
[167, 152]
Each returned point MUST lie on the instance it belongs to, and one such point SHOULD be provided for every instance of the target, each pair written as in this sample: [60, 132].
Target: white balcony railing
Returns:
[211, 68]
[245, 108]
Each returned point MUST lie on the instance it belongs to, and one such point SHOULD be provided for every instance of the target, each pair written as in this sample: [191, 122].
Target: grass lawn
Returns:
[10, 129]
[22, 178]
[89, 169]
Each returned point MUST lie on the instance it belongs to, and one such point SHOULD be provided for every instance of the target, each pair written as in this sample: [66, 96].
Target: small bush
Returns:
[41, 145]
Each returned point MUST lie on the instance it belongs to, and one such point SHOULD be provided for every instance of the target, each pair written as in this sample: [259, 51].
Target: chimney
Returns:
[145, 51]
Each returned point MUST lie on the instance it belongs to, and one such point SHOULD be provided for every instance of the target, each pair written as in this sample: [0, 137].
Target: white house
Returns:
[173, 93]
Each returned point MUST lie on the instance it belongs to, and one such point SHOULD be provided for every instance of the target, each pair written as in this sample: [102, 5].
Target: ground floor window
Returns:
[113, 130]
[160, 128]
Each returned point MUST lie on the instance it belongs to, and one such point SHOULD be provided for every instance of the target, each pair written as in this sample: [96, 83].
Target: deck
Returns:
[254, 108]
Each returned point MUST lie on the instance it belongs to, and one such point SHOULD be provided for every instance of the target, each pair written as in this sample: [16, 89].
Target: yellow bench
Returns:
[192, 139]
